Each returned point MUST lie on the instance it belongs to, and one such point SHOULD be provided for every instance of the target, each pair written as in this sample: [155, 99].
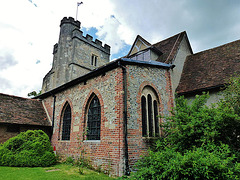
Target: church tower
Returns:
[74, 55]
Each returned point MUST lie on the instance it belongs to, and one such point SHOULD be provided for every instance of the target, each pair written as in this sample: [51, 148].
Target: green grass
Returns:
[58, 172]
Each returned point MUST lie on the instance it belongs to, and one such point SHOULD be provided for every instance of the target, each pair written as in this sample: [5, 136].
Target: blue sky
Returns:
[122, 52]
[30, 28]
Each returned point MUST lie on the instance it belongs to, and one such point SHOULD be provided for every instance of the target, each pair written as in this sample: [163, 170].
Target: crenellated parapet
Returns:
[70, 20]
[89, 39]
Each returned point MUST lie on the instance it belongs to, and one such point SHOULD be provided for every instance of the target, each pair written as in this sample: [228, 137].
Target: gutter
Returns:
[197, 91]
[103, 69]
[125, 120]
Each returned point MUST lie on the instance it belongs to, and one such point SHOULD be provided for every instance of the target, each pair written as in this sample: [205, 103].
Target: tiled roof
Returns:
[169, 47]
[18, 110]
[210, 68]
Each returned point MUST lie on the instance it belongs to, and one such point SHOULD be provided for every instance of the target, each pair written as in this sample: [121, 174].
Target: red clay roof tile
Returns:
[210, 68]
[18, 110]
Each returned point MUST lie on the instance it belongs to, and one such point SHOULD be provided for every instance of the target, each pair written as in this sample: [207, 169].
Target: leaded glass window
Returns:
[94, 119]
[66, 123]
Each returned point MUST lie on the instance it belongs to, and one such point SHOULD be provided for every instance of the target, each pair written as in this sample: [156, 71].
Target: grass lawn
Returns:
[59, 172]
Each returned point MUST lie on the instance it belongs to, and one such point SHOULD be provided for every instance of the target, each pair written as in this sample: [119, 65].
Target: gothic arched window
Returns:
[66, 122]
[149, 109]
[94, 119]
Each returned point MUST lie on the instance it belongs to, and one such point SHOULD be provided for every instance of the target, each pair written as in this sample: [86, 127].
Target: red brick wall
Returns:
[109, 151]
[5, 135]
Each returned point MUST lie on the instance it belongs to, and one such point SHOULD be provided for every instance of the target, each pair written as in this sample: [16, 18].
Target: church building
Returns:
[112, 110]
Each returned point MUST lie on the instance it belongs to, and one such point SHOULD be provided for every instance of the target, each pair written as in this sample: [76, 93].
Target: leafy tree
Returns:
[232, 94]
[200, 142]
[34, 93]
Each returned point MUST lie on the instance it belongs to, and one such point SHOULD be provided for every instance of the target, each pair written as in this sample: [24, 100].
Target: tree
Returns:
[231, 94]
[34, 93]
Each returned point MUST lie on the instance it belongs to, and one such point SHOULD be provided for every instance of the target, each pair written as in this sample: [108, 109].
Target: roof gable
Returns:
[210, 68]
[169, 47]
[18, 110]
[138, 45]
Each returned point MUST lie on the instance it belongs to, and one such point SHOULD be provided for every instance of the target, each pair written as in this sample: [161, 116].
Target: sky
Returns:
[30, 28]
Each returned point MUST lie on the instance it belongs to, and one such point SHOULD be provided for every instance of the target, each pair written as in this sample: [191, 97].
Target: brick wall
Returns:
[109, 151]
[139, 77]
[6, 133]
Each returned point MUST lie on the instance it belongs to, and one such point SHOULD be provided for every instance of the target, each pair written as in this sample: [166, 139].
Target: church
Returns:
[112, 109]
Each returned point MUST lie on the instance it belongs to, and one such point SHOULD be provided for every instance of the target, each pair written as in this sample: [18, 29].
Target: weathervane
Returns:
[78, 4]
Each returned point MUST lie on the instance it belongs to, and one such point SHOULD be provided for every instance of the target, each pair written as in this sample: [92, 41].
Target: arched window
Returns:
[94, 119]
[66, 122]
[149, 109]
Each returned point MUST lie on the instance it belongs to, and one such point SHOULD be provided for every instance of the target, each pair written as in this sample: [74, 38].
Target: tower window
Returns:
[94, 119]
[149, 109]
[66, 122]
[94, 60]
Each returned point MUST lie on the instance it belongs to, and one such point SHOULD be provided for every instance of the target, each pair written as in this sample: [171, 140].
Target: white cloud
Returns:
[30, 28]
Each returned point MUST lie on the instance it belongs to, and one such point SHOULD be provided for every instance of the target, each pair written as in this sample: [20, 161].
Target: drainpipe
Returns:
[53, 115]
[127, 171]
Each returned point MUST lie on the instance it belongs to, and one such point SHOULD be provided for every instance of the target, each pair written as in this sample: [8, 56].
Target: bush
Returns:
[28, 149]
[208, 162]
[200, 142]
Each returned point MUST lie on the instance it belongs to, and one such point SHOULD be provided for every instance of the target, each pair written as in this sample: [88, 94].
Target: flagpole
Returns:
[78, 4]
[77, 12]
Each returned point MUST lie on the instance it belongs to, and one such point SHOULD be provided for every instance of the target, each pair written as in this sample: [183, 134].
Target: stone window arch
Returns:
[93, 118]
[66, 122]
[149, 109]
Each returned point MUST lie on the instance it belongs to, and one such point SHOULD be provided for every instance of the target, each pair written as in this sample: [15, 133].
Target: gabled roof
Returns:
[210, 68]
[144, 42]
[18, 110]
[170, 46]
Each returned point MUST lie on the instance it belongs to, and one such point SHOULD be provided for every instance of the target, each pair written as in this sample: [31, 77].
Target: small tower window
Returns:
[94, 60]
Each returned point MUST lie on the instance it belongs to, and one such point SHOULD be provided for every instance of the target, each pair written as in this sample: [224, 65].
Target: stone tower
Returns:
[74, 55]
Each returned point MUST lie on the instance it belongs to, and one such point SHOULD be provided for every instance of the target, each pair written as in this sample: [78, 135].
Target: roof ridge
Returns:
[170, 37]
[14, 96]
[173, 46]
[220, 46]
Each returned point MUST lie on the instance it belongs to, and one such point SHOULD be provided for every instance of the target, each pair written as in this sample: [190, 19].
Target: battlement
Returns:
[89, 39]
[70, 20]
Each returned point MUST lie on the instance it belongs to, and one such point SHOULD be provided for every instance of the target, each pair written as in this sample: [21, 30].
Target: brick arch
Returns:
[150, 84]
[67, 100]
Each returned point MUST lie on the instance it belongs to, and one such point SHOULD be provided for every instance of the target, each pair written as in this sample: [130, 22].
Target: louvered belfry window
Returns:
[66, 126]
[94, 120]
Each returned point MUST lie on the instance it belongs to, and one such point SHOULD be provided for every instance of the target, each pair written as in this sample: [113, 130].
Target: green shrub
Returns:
[28, 149]
[207, 162]
[199, 142]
